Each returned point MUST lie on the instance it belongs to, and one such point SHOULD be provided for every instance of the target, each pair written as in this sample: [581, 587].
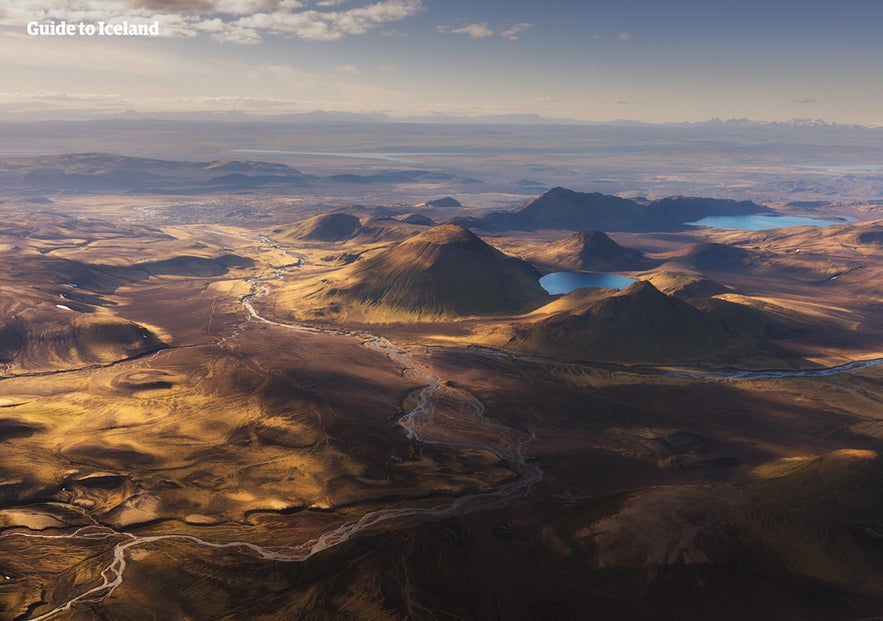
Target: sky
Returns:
[645, 60]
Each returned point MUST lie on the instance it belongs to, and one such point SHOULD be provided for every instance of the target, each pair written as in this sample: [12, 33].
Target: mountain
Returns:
[687, 286]
[560, 208]
[400, 176]
[105, 172]
[447, 201]
[325, 227]
[416, 218]
[67, 340]
[638, 324]
[441, 272]
[589, 250]
[714, 256]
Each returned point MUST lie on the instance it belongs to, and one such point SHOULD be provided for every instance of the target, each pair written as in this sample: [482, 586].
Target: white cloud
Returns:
[61, 96]
[474, 31]
[331, 25]
[807, 100]
[351, 69]
[514, 32]
[237, 101]
[233, 21]
[483, 30]
[624, 36]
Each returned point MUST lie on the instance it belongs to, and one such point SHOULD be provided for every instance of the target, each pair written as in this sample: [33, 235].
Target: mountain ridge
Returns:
[561, 208]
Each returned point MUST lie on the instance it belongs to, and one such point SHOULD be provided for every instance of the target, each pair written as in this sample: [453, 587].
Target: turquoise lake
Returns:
[761, 222]
[565, 282]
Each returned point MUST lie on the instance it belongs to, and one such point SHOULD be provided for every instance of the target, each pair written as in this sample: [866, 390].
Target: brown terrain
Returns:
[210, 415]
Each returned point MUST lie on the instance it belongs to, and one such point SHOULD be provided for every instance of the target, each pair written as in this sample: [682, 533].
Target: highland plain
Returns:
[290, 370]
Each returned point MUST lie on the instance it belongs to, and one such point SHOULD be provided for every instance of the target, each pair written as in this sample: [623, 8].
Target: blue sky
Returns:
[631, 59]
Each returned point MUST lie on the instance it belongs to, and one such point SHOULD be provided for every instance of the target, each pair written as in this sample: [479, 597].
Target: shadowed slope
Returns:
[445, 271]
[42, 344]
[560, 208]
[590, 250]
[638, 324]
[685, 285]
[324, 227]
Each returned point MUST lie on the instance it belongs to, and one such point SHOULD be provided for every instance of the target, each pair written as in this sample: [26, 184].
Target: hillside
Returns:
[560, 208]
[441, 272]
[65, 340]
[589, 250]
[686, 285]
[715, 257]
[103, 172]
[638, 324]
[328, 227]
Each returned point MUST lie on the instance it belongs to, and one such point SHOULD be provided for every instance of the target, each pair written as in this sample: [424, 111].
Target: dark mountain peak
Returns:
[560, 208]
[325, 227]
[712, 255]
[556, 193]
[637, 324]
[590, 250]
[447, 201]
[645, 289]
[589, 236]
[561, 198]
[416, 218]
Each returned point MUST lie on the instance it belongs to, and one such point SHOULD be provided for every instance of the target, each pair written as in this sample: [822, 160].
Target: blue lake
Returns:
[761, 222]
[565, 282]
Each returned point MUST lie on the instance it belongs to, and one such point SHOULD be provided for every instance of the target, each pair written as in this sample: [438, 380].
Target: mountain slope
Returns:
[44, 342]
[560, 208]
[638, 324]
[444, 271]
[686, 285]
[324, 227]
[590, 250]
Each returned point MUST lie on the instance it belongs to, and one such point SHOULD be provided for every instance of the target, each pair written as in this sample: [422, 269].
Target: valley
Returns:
[235, 402]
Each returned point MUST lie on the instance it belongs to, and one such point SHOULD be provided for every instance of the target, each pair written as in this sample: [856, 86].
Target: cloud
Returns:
[237, 101]
[474, 31]
[228, 21]
[351, 69]
[547, 99]
[62, 96]
[106, 56]
[482, 30]
[624, 36]
[807, 100]
[514, 32]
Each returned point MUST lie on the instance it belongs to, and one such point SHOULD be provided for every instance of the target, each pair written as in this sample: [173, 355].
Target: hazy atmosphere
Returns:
[633, 59]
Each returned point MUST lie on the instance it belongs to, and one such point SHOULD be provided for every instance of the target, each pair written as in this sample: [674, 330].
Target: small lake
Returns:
[565, 282]
[762, 222]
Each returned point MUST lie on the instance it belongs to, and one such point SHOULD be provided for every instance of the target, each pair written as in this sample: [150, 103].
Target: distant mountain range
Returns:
[103, 172]
[106, 172]
[334, 116]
